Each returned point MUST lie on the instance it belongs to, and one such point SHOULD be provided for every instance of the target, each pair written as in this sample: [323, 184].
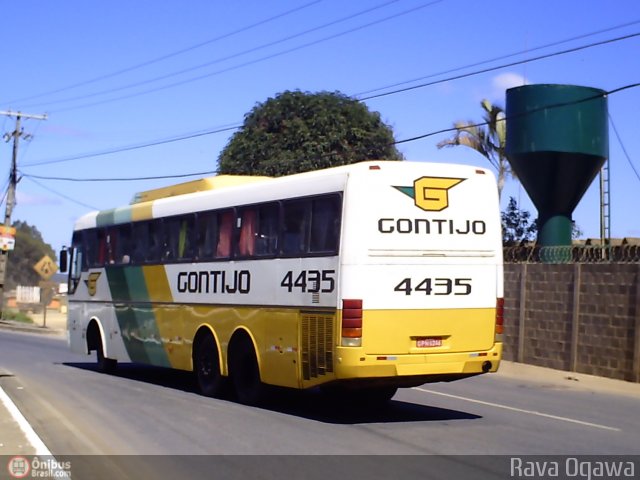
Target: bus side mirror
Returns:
[64, 260]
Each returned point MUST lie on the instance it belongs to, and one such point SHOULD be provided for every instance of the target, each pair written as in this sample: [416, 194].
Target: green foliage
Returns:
[517, 225]
[487, 138]
[30, 248]
[300, 131]
[16, 316]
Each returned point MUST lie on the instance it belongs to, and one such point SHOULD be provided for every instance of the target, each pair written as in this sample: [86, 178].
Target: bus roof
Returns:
[176, 199]
[200, 185]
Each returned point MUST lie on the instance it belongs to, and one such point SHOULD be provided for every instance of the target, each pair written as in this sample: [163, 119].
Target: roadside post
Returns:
[46, 268]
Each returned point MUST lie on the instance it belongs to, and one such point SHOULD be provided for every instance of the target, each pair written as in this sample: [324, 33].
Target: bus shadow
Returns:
[311, 404]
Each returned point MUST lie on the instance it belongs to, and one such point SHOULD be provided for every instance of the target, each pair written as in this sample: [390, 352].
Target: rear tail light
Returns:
[499, 316]
[351, 323]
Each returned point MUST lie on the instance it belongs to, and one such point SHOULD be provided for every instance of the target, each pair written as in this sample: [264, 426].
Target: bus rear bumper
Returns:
[352, 363]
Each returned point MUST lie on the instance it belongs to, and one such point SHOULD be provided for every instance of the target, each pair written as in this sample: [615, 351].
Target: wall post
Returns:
[575, 317]
[523, 312]
[636, 344]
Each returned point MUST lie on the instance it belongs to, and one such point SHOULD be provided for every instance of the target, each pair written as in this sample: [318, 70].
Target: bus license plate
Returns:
[429, 342]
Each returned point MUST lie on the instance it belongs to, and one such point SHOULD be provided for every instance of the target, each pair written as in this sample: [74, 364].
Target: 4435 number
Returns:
[310, 281]
[435, 286]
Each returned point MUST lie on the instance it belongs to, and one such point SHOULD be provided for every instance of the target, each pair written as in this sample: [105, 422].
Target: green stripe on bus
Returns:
[105, 218]
[122, 215]
[137, 322]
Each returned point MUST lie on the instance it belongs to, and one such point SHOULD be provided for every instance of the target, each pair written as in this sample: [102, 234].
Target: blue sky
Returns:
[74, 61]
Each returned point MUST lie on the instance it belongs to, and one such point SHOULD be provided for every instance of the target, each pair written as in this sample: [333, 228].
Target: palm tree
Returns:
[487, 138]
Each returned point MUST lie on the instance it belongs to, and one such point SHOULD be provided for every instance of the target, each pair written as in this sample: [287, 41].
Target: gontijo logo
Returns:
[92, 282]
[431, 193]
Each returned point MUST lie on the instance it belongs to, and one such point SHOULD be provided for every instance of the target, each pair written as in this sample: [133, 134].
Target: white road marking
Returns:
[520, 410]
[32, 437]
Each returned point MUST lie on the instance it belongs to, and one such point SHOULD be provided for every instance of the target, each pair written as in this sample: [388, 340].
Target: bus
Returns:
[358, 279]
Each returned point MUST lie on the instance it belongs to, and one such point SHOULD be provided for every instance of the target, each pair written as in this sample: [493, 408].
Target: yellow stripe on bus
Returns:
[141, 211]
[169, 319]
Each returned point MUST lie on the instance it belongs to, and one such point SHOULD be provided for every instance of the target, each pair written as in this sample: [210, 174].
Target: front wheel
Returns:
[105, 365]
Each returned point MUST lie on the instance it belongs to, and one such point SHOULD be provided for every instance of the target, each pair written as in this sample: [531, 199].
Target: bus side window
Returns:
[186, 249]
[248, 232]
[225, 222]
[267, 232]
[91, 249]
[123, 251]
[154, 252]
[258, 230]
[207, 235]
[325, 224]
[295, 227]
[101, 258]
[112, 243]
[140, 234]
[168, 239]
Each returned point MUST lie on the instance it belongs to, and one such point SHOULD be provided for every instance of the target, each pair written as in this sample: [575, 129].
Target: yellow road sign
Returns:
[46, 267]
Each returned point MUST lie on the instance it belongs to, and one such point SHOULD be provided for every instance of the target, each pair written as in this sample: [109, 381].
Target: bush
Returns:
[16, 316]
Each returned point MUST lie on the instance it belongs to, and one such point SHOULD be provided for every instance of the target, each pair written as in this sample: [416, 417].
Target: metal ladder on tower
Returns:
[605, 210]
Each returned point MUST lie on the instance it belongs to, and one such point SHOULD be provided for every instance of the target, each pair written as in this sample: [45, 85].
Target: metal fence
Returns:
[622, 253]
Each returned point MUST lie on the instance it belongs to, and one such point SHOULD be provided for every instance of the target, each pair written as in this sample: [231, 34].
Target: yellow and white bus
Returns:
[360, 279]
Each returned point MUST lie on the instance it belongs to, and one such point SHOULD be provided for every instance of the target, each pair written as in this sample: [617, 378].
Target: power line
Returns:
[505, 65]
[120, 179]
[222, 59]
[626, 154]
[234, 67]
[136, 146]
[168, 55]
[220, 129]
[501, 57]
[55, 192]
[528, 112]
[397, 142]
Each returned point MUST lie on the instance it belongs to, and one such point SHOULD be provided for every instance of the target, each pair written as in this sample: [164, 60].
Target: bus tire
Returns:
[245, 373]
[105, 365]
[206, 365]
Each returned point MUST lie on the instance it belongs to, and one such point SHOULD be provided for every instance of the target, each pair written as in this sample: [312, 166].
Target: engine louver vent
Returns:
[317, 344]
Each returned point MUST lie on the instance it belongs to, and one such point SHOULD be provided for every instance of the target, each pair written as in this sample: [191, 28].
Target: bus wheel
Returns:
[207, 367]
[105, 365]
[245, 374]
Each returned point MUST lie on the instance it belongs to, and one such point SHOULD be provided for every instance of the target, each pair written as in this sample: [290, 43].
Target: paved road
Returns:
[149, 411]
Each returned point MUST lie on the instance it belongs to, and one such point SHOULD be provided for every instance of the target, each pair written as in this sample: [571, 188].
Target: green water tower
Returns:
[557, 141]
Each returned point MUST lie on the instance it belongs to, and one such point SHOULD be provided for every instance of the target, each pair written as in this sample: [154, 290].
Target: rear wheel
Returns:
[206, 362]
[245, 374]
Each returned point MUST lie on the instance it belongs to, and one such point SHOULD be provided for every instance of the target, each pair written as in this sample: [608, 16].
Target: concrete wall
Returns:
[579, 317]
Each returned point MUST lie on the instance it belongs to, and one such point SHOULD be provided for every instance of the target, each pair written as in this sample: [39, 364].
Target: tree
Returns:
[30, 248]
[301, 131]
[517, 225]
[488, 139]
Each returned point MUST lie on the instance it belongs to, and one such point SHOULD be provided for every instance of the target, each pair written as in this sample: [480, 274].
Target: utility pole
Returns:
[11, 192]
